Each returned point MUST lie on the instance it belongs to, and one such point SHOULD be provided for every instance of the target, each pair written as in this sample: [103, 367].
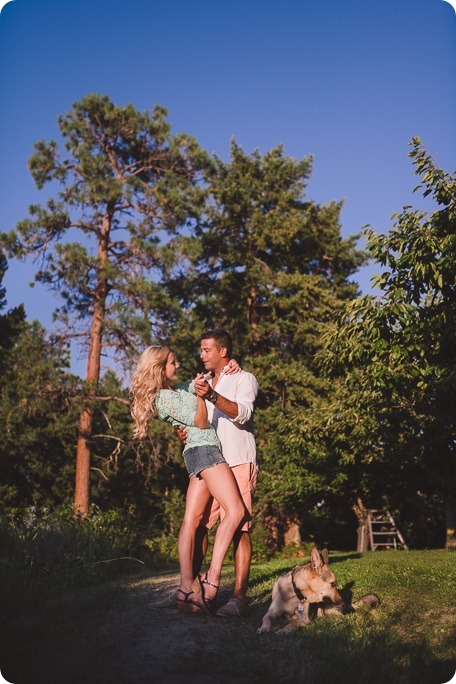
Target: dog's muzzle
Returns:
[327, 602]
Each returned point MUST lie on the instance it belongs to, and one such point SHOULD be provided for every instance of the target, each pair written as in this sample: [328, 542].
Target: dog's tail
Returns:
[369, 600]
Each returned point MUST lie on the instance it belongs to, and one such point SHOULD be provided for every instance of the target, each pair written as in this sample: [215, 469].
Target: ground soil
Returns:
[99, 636]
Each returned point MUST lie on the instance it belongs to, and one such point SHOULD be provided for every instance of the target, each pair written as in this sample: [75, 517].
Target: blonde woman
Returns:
[210, 476]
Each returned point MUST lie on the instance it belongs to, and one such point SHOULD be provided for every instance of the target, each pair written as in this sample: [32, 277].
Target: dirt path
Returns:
[95, 637]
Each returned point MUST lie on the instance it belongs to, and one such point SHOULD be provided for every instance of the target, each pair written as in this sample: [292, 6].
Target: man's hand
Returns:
[182, 433]
[202, 388]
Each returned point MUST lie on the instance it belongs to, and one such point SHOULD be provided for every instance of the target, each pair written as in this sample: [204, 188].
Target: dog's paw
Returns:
[263, 629]
[266, 624]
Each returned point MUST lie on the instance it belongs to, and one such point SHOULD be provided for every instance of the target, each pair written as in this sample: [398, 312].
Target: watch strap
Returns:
[213, 397]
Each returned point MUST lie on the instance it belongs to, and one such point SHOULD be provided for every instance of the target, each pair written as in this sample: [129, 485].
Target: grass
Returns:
[63, 584]
[44, 554]
[410, 638]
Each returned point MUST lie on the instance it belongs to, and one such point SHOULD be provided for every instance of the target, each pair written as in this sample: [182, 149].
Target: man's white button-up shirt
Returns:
[236, 434]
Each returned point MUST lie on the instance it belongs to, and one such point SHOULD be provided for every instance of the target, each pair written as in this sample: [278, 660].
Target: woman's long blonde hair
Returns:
[147, 380]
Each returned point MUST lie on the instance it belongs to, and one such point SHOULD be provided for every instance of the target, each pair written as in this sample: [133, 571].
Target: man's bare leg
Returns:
[242, 544]
[200, 549]
[237, 605]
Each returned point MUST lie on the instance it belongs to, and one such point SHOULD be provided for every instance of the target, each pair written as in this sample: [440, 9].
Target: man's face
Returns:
[213, 357]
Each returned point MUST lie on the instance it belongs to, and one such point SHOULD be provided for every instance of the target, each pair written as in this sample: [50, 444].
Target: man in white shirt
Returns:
[230, 401]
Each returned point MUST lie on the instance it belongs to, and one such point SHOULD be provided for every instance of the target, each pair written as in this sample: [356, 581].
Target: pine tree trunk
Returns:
[84, 452]
[85, 430]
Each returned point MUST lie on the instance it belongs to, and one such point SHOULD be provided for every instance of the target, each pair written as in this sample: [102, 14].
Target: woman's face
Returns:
[171, 367]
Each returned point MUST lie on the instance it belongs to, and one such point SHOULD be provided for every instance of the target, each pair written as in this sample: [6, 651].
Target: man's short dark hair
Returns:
[222, 338]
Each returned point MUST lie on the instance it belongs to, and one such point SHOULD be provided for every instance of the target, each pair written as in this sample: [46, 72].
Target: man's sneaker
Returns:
[234, 608]
[169, 601]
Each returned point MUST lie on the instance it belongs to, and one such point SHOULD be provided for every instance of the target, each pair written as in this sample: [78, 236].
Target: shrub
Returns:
[45, 551]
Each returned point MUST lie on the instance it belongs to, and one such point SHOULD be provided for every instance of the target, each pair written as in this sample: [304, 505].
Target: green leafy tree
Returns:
[125, 184]
[39, 407]
[393, 427]
[36, 412]
[270, 265]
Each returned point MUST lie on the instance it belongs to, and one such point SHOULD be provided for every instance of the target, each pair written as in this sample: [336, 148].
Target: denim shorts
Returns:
[201, 457]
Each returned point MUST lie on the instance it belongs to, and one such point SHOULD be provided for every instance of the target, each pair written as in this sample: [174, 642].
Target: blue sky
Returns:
[350, 82]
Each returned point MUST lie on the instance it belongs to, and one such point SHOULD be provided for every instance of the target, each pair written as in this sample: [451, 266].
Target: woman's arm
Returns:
[200, 419]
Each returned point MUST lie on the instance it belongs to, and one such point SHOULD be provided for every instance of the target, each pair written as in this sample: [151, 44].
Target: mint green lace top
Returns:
[178, 407]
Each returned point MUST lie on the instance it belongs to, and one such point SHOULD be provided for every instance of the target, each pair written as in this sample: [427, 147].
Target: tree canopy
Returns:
[394, 424]
[270, 265]
[148, 239]
[125, 183]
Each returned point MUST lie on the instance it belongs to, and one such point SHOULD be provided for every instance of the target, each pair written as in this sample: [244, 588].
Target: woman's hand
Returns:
[232, 367]
[202, 387]
[182, 433]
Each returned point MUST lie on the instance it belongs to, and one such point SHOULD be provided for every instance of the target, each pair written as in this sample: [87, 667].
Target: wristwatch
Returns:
[213, 397]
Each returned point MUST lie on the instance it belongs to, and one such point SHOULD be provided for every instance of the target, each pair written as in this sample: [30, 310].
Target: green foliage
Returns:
[38, 412]
[125, 182]
[161, 256]
[45, 551]
[264, 252]
[11, 321]
[270, 265]
[39, 405]
[163, 545]
[148, 239]
[393, 424]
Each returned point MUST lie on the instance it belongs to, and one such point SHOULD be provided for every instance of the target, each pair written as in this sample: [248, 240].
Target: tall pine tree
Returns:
[125, 184]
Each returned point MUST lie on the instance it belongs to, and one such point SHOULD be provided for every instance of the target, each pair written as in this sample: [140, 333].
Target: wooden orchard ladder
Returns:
[383, 532]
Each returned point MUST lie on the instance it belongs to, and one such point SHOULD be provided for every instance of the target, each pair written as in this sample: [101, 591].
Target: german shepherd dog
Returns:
[308, 591]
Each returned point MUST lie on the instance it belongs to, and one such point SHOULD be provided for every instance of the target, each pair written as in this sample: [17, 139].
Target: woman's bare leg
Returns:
[222, 485]
[197, 498]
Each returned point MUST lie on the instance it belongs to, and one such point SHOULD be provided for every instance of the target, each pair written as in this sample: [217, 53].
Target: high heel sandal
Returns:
[209, 604]
[187, 605]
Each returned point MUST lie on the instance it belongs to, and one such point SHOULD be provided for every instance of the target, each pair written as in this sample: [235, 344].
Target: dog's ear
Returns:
[315, 560]
[325, 556]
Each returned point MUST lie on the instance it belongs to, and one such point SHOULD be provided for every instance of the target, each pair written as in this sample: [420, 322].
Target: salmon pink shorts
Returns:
[246, 478]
